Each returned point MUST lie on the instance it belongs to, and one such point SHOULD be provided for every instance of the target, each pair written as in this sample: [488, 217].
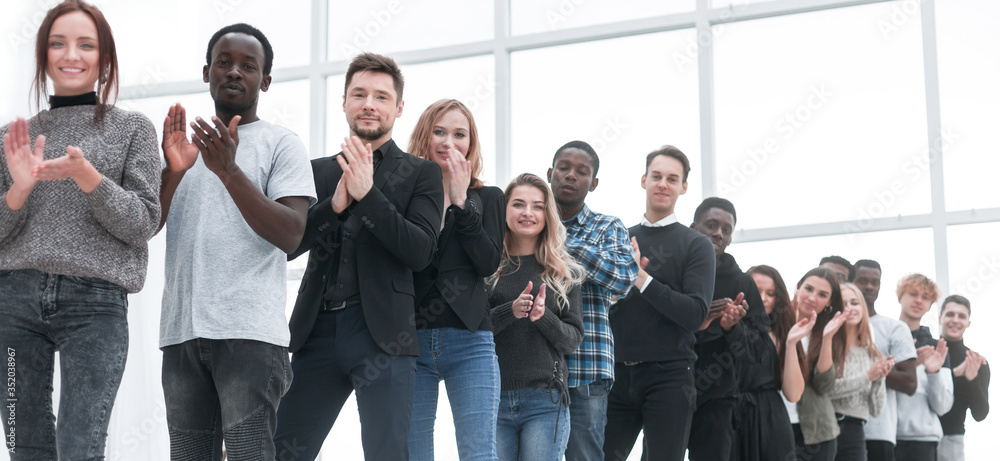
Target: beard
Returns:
[233, 108]
[370, 134]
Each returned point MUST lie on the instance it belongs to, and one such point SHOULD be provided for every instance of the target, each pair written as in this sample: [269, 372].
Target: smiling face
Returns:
[914, 303]
[526, 212]
[236, 77]
[717, 224]
[954, 321]
[853, 307]
[572, 177]
[664, 184]
[812, 296]
[450, 132]
[72, 58]
[371, 106]
[768, 292]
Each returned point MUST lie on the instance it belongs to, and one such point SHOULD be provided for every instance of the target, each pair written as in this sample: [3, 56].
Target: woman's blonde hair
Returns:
[420, 140]
[864, 328]
[561, 272]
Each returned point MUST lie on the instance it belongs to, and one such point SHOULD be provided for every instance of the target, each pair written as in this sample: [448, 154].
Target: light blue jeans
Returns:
[83, 318]
[467, 362]
[532, 426]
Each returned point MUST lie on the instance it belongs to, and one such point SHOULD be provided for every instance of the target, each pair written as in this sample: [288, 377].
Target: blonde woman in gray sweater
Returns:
[859, 389]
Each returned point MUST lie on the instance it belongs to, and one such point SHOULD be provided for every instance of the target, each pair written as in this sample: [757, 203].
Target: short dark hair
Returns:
[868, 263]
[372, 62]
[957, 299]
[247, 29]
[714, 202]
[842, 262]
[584, 147]
[673, 152]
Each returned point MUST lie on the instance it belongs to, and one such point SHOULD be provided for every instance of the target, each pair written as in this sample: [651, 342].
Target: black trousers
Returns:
[880, 450]
[338, 358]
[823, 451]
[657, 398]
[916, 451]
[712, 430]
[851, 441]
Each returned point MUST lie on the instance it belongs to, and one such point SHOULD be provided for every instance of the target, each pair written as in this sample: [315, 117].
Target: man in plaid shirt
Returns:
[599, 243]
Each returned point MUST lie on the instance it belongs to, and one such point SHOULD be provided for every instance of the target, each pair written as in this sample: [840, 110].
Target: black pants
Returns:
[916, 451]
[657, 398]
[823, 451]
[881, 450]
[338, 358]
[712, 430]
[851, 442]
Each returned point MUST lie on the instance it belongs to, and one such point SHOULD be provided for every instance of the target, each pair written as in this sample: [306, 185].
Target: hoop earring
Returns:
[828, 308]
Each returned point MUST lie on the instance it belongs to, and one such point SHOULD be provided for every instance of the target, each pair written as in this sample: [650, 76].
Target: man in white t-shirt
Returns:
[891, 337]
[237, 195]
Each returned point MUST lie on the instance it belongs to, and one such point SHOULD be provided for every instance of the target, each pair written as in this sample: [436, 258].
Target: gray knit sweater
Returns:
[853, 394]
[103, 234]
[533, 354]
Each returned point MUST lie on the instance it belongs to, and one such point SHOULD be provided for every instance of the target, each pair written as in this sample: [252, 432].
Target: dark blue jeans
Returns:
[83, 318]
[219, 390]
[338, 358]
[588, 415]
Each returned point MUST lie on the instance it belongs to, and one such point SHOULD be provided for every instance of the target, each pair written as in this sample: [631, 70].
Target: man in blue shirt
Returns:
[599, 243]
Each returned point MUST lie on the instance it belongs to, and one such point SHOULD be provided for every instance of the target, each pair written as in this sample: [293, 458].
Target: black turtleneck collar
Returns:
[86, 99]
[725, 265]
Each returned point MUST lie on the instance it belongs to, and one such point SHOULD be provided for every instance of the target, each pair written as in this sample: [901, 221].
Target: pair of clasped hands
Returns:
[28, 166]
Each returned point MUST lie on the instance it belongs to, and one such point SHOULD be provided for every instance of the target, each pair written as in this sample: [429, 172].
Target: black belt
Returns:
[849, 419]
[629, 363]
[329, 305]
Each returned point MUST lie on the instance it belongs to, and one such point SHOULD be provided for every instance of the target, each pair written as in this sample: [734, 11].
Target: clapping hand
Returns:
[933, 357]
[970, 367]
[735, 311]
[881, 368]
[357, 163]
[179, 153]
[522, 305]
[801, 329]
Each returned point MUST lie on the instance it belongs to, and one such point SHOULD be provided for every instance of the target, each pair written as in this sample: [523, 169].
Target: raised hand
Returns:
[357, 162]
[522, 305]
[801, 329]
[881, 368]
[458, 175]
[834, 325]
[640, 280]
[934, 361]
[217, 144]
[72, 165]
[973, 362]
[21, 159]
[734, 312]
[179, 153]
[538, 308]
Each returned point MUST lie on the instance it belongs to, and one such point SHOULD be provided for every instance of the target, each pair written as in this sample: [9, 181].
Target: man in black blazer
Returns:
[352, 329]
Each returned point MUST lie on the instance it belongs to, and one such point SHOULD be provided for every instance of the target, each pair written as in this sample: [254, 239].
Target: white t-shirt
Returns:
[223, 281]
[892, 337]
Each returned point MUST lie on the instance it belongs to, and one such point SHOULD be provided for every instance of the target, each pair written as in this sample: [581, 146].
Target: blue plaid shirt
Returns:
[600, 244]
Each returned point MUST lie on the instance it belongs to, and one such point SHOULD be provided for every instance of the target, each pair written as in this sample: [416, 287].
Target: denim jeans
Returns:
[83, 318]
[532, 425]
[219, 390]
[467, 363]
[588, 415]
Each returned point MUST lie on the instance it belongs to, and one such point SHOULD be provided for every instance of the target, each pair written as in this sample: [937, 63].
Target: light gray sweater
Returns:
[103, 234]
[853, 394]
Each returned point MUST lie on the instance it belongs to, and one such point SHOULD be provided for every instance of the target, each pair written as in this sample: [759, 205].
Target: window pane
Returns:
[287, 104]
[166, 41]
[470, 80]
[396, 25]
[828, 111]
[969, 69]
[534, 16]
[898, 252]
[975, 274]
[627, 107]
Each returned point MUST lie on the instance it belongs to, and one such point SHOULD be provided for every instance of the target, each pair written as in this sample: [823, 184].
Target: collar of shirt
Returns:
[582, 217]
[670, 219]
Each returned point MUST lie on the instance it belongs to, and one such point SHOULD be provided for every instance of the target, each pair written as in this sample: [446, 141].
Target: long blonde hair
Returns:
[864, 328]
[561, 272]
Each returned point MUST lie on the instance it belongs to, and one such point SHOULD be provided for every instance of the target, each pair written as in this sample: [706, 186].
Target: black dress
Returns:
[763, 430]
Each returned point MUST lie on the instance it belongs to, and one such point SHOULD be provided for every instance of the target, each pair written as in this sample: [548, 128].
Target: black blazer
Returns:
[400, 218]
[469, 249]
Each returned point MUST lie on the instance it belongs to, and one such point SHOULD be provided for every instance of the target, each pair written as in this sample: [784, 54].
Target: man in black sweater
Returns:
[654, 325]
[971, 376]
[726, 341]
